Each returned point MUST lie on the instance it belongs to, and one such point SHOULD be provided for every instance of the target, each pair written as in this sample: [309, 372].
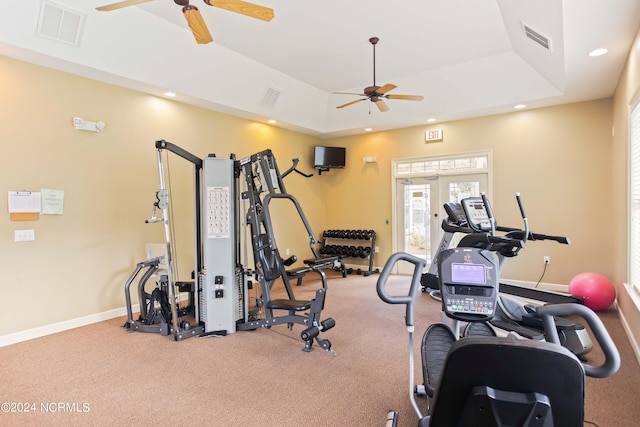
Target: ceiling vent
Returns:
[536, 36]
[270, 97]
[60, 23]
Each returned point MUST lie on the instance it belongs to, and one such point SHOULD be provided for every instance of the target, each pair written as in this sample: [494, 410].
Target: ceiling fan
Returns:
[376, 93]
[194, 18]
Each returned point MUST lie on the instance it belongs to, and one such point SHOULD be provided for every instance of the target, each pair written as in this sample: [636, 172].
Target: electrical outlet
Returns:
[377, 249]
[546, 259]
[24, 235]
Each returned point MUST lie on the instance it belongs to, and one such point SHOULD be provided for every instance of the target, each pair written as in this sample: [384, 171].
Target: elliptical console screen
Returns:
[468, 283]
[468, 273]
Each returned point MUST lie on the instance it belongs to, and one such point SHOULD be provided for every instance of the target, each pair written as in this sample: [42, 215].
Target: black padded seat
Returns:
[515, 366]
[289, 304]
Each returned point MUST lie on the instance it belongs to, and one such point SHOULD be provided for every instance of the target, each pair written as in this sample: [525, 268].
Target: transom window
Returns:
[468, 163]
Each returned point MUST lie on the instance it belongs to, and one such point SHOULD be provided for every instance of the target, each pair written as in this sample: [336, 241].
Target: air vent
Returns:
[270, 97]
[536, 36]
[60, 23]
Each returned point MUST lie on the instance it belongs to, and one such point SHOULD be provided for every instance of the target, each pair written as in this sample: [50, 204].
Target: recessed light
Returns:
[169, 94]
[431, 120]
[519, 106]
[272, 121]
[598, 52]
[368, 129]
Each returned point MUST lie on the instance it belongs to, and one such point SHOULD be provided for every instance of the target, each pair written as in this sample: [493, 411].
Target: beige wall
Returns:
[80, 260]
[627, 91]
[559, 159]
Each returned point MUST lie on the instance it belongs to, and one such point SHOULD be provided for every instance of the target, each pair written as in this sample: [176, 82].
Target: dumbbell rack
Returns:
[334, 242]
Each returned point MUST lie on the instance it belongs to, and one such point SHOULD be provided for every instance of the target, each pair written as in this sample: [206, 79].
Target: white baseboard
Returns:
[629, 331]
[53, 328]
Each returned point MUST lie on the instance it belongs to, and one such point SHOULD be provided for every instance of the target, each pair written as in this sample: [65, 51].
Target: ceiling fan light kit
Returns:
[377, 94]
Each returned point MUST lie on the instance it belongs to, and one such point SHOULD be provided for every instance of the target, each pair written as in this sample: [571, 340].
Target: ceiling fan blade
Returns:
[244, 8]
[382, 106]
[407, 97]
[386, 88]
[349, 93]
[121, 4]
[197, 25]
[351, 103]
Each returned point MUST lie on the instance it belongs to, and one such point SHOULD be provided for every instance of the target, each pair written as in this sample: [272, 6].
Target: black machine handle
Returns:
[294, 168]
[408, 300]
[524, 217]
[519, 200]
[516, 243]
[519, 234]
[611, 363]
[492, 217]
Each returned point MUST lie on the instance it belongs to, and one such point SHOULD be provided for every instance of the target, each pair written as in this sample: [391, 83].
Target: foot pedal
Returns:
[478, 329]
[436, 343]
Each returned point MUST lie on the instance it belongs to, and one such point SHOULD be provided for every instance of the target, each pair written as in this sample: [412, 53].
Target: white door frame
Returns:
[396, 176]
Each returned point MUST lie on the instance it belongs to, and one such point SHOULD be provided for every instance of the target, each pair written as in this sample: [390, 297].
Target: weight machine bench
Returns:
[316, 264]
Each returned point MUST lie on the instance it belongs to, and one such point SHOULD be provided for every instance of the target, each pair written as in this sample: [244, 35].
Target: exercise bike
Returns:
[471, 223]
[490, 381]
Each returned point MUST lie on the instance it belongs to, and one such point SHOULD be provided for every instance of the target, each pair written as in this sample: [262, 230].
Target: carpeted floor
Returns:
[103, 374]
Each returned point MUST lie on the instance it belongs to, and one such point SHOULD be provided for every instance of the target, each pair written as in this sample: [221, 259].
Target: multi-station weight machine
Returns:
[218, 300]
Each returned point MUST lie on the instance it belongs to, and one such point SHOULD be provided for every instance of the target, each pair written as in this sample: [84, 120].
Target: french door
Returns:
[419, 210]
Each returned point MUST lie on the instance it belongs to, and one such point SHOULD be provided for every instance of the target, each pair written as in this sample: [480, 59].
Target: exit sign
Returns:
[433, 135]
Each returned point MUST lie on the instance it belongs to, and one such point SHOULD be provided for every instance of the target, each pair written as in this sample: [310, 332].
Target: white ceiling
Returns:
[468, 58]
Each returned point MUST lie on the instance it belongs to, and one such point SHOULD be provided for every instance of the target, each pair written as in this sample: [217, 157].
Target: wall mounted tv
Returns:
[325, 158]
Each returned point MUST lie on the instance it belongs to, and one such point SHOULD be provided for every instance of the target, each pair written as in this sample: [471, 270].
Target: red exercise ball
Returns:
[597, 290]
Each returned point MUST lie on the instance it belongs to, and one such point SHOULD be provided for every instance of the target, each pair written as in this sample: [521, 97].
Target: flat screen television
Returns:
[328, 157]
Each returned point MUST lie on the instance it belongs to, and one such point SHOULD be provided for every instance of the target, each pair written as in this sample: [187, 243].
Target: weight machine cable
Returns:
[173, 254]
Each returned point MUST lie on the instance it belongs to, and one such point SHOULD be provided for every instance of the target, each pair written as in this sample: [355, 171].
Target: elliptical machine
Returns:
[489, 381]
[471, 223]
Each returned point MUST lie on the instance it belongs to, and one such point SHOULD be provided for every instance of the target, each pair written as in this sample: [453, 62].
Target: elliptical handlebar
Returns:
[524, 217]
[519, 234]
[492, 218]
[611, 363]
[408, 300]
[516, 244]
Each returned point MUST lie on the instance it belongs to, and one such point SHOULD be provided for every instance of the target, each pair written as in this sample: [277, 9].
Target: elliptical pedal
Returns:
[436, 342]
[478, 329]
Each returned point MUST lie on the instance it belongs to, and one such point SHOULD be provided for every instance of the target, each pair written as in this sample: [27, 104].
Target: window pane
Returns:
[462, 190]
[447, 164]
[404, 168]
[431, 166]
[462, 163]
[417, 167]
